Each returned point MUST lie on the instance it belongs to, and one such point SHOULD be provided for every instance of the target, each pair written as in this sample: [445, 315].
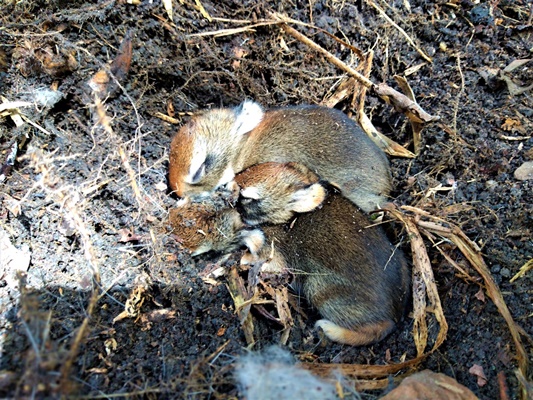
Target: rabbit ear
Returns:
[247, 116]
[308, 199]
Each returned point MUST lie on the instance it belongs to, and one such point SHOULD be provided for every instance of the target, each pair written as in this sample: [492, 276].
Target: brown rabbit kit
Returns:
[215, 145]
[286, 219]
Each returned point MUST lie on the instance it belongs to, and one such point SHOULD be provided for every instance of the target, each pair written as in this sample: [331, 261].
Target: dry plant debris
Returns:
[430, 385]
[71, 179]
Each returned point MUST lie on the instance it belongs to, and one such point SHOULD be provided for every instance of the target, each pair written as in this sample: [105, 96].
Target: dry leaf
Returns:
[477, 370]
[430, 385]
[512, 124]
[127, 235]
[170, 109]
[480, 295]
[102, 83]
[383, 142]
[516, 64]
[110, 345]
[241, 298]
[13, 205]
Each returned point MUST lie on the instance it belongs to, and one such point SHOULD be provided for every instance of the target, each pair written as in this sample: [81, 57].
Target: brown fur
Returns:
[323, 139]
[213, 225]
[273, 192]
[352, 274]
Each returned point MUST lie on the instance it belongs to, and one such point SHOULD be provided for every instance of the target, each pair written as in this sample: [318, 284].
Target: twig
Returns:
[233, 31]
[523, 270]
[459, 95]
[398, 100]
[13, 105]
[29, 121]
[330, 57]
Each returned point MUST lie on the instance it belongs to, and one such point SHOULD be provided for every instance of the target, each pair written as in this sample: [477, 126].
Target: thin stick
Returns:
[398, 100]
[233, 31]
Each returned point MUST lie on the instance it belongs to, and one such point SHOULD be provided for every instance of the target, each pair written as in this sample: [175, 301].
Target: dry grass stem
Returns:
[473, 254]
[423, 281]
[241, 298]
[398, 100]
[523, 270]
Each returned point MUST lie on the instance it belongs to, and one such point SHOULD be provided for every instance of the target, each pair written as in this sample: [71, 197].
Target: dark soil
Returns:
[69, 201]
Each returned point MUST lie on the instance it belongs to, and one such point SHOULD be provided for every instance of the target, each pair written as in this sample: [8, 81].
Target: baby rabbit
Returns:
[350, 273]
[208, 151]
[213, 225]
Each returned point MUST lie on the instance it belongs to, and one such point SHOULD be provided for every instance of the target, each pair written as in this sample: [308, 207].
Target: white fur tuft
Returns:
[247, 116]
[251, 192]
[273, 375]
[333, 331]
[183, 202]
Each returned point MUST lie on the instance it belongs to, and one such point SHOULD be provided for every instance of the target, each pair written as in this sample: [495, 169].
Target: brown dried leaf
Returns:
[473, 253]
[284, 312]
[477, 370]
[343, 91]
[383, 142]
[480, 295]
[430, 385]
[102, 83]
[511, 124]
[170, 109]
[423, 284]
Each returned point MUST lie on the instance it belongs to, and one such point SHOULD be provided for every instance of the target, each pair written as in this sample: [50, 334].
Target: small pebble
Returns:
[525, 171]
[505, 272]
